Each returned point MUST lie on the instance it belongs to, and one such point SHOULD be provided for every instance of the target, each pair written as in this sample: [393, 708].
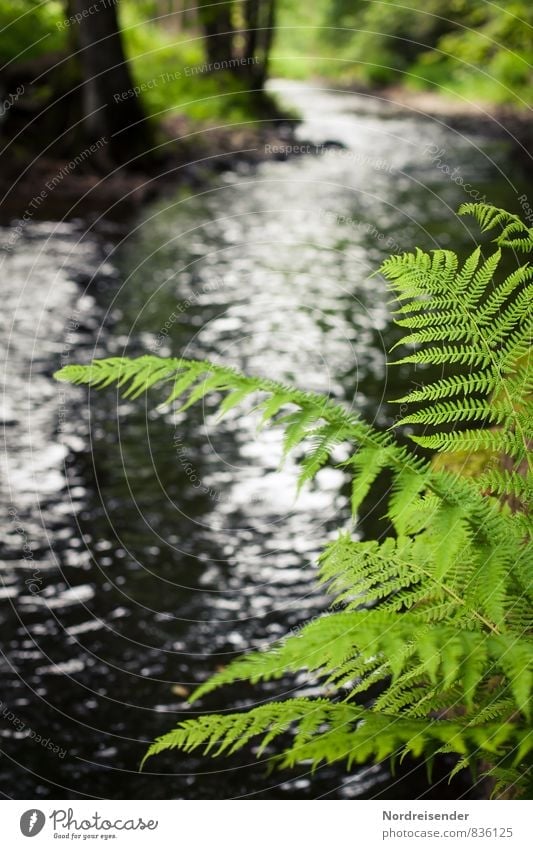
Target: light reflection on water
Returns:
[124, 583]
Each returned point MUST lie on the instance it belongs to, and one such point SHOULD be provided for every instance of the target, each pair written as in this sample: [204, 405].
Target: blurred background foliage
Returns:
[210, 61]
[474, 48]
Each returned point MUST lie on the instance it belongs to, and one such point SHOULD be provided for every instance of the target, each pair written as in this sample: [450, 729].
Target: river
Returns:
[143, 549]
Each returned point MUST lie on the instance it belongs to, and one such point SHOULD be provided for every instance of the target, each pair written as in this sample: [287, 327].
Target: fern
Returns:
[327, 732]
[466, 316]
[430, 627]
[515, 234]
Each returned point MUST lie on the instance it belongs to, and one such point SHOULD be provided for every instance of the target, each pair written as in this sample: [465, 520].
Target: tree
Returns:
[216, 21]
[241, 36]
[109, 110]
[260, 22]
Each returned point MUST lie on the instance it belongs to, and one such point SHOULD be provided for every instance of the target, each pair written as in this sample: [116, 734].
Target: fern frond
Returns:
[495, 334]
[515, 234]
[367, 464]
[483, 382]
[329, 732]
[469, 355]
[381, 736]
[475, 440]
[323, 644]
[230, 732]
[458, 411]
[508, 483]
[412, 650]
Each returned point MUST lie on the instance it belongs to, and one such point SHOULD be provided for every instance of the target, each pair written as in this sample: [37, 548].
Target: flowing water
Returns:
[143, 549]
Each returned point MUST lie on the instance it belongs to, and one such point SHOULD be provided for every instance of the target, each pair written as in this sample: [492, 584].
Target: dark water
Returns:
[142, 549]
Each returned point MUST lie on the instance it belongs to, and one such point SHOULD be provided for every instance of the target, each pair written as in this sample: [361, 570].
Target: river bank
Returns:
[467, 116]
[189, 154]
[87, 185]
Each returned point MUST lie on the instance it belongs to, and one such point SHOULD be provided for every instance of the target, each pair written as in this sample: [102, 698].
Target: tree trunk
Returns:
[251, 17]
[218, 28]
[268, 24]
[260, 25]
[107, 108]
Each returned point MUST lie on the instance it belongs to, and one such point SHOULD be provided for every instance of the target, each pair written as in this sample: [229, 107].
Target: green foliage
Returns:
[491, 55]
[430, 628]
[170, 63]
[29, 28]
[169, 72]
[467, 316]
[327, 732]
[470, 47]
[167, 55]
